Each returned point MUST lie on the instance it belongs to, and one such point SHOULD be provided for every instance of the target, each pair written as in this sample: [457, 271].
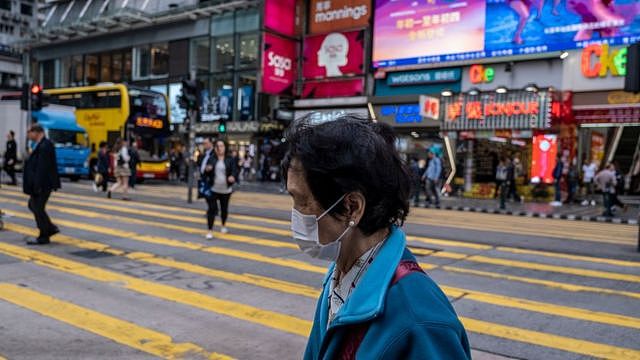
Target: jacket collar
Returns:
[367, 300]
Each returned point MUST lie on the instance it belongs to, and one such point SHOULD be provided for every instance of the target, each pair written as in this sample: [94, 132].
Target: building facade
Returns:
[16, 20]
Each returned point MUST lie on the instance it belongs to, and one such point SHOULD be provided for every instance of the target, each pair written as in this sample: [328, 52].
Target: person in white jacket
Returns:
[121, 169]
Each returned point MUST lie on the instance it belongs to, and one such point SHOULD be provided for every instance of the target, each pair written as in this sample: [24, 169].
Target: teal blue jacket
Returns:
[411, 319]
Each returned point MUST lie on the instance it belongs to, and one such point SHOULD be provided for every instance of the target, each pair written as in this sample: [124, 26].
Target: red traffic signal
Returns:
[36, 89]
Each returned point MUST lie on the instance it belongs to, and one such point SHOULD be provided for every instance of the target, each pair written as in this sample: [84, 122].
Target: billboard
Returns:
[454, 30]
[335, 15]
[334, 54]
[545, 151]
[280, 16]
[327, 89]
[278, 65]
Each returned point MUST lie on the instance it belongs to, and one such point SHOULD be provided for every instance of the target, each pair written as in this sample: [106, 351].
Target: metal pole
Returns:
[192, 136]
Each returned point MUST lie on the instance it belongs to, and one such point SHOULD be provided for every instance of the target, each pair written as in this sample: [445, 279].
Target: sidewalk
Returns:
[530, 209]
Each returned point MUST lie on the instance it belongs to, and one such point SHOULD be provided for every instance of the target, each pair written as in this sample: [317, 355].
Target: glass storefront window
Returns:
[223, 53]
[105, 67]
[48, 73]
[249, 50]
[246, 96]
[218, 103]
[142, 62]
[75, 70]
[200, 54]
[126, 74]
[117, 67]
[160, 59]
[91, 69]
[65, 72]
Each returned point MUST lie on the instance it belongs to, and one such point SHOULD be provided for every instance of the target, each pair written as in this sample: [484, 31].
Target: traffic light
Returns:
[26, 96]
[222, 126]
[36, 97]
[632, 77]
[190, 97]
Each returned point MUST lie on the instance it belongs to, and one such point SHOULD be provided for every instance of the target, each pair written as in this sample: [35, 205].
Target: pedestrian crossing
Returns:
[139, 233]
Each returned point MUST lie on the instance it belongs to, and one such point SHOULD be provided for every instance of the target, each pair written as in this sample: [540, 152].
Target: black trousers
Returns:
[37, 203]
[212, 210]
[11, 171]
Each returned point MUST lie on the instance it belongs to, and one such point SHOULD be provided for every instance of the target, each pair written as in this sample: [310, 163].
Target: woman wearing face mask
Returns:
[351, 193]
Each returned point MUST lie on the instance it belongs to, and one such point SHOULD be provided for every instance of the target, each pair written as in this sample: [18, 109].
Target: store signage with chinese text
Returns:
[598, 60]
[278, 64]
[423, 77]
[334, 15]
[514, 110]
[429, 107]
[334, 54]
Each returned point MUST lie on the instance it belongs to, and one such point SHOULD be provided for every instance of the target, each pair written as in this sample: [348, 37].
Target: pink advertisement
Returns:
[278, 65]
[411, 30]
[327, 89]
[280, 16]
[334, 54]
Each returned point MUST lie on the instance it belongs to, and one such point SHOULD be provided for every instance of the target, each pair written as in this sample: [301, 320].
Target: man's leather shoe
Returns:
[38, 241]
[53, 231]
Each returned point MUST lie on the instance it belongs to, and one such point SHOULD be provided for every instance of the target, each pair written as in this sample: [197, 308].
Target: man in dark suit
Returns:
[11, 157]
[40, 178]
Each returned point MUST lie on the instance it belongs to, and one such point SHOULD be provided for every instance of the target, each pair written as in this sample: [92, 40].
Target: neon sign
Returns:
[479, 74]
[614, 61]
[150, 123]
[476, 110]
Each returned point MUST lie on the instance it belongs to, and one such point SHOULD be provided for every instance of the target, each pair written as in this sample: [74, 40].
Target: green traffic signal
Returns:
[222, 128]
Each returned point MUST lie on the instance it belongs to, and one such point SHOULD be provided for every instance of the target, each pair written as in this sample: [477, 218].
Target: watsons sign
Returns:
[423, 77]
[334, 15]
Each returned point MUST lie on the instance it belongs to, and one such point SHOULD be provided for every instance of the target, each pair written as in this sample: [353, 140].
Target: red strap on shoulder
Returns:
[356, 333]
[405, 268]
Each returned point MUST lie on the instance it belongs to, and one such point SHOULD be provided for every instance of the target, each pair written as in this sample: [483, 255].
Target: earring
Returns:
[352, 223]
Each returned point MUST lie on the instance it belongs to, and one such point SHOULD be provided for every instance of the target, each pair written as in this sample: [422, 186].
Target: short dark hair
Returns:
[12, 133]
[35, 127]
[352, 154]
[102, 144]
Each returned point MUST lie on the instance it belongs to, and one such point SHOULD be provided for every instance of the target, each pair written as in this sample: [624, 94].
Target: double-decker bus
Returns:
[112, 111]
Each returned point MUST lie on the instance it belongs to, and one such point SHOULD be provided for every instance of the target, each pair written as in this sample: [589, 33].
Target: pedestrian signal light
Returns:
[36, 89]
[222, 127]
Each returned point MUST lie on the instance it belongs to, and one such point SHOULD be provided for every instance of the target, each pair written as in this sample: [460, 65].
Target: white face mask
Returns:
[305, 233]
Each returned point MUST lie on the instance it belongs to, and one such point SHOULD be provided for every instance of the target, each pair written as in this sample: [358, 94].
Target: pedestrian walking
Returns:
[606, 181]
[174, 166]
[514, 171]
[40, 178]
[102, 168]
[11, 157]
[246, 168]
[615, 199]
[557, 181]
[121, 171]
[432, 177]
[416, 183]
[134, 163]
[351, 193]
[572, 181]
[588, 173]
[502, 181]
[219, 171]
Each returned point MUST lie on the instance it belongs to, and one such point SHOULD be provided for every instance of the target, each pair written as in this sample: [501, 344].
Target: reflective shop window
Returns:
[127, 63]
[75, 70]
[48, 73]
[249, 50]
[160, 59]
[217, 101]
[91, 69]
[200, 51]
[223, 53]
[65, 72]
[142, 59]
[246, 96]
[116, 64]
[105, 68]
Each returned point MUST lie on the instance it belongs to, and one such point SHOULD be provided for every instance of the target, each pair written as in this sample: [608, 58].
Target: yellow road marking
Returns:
[554, 268]
[2, 357]
[120, 331]
[145, 287]
[563, 343]
[547, 283]
[303, 290]
[305, 266]
[592, 259]
[281, 322]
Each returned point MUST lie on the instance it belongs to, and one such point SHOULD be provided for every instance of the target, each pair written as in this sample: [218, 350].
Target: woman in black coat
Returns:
[220, 172]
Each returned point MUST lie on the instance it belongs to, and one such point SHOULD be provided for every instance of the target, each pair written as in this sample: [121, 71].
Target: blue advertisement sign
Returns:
[402, 114]
[423, 77]
[407, 32]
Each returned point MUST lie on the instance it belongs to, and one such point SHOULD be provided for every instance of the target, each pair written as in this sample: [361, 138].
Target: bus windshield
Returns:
[148, 104]
[149, 116]
[68, 138]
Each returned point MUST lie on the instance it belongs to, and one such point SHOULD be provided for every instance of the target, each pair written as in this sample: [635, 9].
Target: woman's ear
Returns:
[354, 204]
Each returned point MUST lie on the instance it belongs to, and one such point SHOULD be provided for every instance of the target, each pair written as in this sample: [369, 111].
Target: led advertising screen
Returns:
[508, 27]
[280, 16]
[278, 65]
[334, 54]
[335, 15]
[545, 150]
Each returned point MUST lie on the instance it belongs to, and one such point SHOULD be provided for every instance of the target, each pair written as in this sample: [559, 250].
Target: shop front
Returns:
[397, 103]
[608, 119]
[485, 127]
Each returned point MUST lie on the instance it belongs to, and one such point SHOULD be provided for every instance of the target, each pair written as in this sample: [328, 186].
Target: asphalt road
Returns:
[137, 280]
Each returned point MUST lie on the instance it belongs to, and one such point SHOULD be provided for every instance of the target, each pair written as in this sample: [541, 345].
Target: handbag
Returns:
[204, 189]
